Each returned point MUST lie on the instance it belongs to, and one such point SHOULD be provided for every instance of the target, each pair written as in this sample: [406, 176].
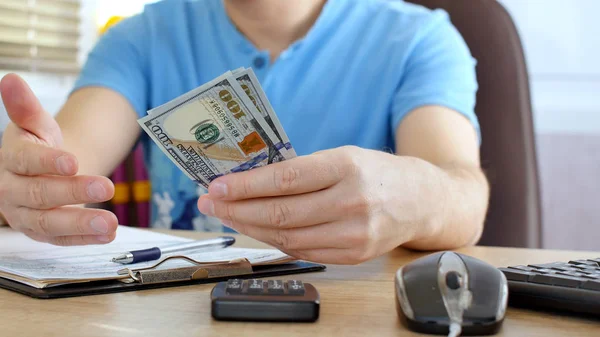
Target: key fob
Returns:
[265, 300]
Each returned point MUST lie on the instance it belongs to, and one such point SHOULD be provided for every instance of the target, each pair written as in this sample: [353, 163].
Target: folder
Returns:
[46, 272]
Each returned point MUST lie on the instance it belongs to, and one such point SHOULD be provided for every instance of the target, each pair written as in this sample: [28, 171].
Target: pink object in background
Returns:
[131, 179]
[120, 201]
[141, 188]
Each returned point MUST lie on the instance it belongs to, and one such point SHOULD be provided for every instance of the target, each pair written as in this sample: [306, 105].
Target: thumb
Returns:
[25, 110]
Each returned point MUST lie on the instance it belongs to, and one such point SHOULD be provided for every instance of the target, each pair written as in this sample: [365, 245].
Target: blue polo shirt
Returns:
[362, 67]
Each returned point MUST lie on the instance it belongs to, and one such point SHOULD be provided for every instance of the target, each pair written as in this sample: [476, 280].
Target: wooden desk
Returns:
[355, 301]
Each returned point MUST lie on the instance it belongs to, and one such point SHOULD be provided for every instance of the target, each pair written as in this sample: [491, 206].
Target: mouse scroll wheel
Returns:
[453, 280]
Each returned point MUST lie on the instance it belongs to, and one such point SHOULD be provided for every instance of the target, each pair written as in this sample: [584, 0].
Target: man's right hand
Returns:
[39, 187]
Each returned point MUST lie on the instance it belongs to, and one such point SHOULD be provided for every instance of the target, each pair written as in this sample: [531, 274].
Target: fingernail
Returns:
[99, 225]
[218, 190]
[206, 206]
[96, 191]
[103, 238]
[63, 165]
[227, 223]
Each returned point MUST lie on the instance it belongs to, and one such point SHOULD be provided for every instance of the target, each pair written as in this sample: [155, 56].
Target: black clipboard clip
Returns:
[200, 270]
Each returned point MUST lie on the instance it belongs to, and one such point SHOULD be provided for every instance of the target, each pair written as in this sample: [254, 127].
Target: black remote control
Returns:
[262, 300]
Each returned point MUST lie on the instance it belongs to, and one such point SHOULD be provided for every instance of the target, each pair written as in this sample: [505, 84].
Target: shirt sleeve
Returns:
[118, 62]
[439, 70]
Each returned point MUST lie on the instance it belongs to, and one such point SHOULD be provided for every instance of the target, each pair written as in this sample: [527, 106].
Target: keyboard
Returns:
[572, 286]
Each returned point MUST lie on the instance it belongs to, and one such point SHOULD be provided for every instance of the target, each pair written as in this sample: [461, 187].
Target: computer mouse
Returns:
[451, 293]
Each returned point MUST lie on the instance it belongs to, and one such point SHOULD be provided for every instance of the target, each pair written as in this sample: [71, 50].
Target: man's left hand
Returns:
[343, 206]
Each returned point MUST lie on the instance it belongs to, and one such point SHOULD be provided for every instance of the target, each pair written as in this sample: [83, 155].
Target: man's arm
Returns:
[100, 118]
[448, 140]
[99, 127]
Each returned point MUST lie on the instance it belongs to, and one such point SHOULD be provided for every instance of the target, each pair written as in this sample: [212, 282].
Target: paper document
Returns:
[39, 264]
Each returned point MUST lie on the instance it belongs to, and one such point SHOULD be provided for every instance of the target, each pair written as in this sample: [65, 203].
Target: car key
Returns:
[265, 300]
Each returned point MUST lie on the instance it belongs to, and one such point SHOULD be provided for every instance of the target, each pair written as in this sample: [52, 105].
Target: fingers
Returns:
[278, 212]
[36, 159]
[339, 235]
[295, 176]
[25, 110]
[46, 192]
[315, 244]
[75, 240]
[330, 256]
[67, 221]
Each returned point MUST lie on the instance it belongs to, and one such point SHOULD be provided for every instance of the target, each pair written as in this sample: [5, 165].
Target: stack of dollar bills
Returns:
[226, 125]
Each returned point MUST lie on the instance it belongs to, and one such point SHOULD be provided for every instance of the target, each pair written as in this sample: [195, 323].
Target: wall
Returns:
[52, 89]
[562, 44]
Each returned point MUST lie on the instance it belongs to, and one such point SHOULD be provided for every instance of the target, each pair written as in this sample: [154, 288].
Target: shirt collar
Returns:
[226, 24]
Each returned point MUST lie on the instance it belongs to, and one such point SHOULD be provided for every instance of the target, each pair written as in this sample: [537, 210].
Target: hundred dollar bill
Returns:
[249, 82]
[213, 130]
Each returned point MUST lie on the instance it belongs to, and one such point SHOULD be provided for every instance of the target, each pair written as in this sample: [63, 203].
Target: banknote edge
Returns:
[271, 111]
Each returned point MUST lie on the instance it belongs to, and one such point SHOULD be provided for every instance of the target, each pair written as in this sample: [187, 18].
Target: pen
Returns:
[155, 253]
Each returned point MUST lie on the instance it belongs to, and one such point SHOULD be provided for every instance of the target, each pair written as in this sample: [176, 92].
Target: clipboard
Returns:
[152, 278]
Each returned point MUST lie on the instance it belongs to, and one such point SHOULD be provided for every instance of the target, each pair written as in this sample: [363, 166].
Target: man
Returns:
[376, 96]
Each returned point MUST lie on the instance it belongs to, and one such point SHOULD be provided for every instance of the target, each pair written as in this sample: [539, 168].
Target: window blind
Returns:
[39, 35]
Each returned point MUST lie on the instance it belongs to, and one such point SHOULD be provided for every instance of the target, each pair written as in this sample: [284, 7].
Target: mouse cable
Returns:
[455, 329]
